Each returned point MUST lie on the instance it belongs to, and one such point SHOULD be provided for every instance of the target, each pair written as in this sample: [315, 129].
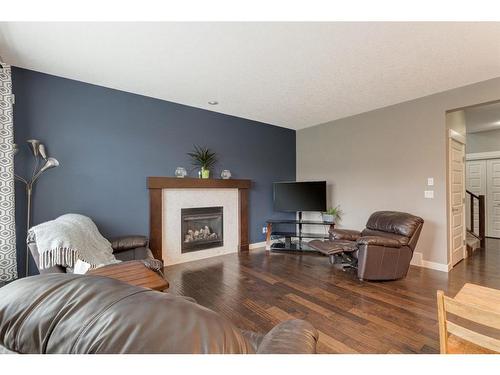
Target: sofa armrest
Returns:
[128, 242]
[378, 241]
[344, 234]
[290, 337]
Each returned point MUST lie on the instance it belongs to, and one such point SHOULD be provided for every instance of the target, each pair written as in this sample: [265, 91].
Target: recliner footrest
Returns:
[333, 247]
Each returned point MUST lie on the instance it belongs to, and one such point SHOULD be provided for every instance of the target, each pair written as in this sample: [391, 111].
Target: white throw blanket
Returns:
[68, 239]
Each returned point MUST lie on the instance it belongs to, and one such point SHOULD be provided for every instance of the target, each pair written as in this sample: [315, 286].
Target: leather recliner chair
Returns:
[80, 314]
[384, 248]
[124, 248]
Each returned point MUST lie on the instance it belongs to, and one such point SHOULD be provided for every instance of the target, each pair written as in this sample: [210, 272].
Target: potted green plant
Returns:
[204, 159]
[333, 215]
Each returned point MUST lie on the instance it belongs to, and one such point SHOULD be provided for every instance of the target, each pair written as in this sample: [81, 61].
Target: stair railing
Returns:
[480, 233]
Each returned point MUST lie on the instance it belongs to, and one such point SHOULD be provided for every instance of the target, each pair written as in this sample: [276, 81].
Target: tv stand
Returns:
[289, 235]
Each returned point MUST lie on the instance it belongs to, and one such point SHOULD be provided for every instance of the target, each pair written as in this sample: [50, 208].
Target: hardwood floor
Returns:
[256, 291]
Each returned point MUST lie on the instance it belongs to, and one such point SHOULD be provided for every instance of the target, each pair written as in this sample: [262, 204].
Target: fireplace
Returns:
[201, 228]
[169, 195]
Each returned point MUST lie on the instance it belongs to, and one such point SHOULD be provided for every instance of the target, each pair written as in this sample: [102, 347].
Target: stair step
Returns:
[473, 243]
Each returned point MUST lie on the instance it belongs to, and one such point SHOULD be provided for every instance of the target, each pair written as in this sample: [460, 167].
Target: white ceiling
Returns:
[293, 75]
[482, 118]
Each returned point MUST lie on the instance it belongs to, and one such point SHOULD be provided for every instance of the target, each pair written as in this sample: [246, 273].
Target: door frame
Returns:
[483, 155]
[454, 135]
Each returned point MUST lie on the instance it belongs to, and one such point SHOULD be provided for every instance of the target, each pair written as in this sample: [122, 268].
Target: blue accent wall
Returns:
[108, 142]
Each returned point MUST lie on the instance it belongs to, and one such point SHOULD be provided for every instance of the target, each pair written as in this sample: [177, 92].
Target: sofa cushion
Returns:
[400, 223]
[66, 313]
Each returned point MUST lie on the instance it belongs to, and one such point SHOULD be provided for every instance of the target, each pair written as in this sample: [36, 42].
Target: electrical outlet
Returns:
[264, 230]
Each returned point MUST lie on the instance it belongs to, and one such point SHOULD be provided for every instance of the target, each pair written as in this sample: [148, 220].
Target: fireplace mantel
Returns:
[193, 183]
[157, 184]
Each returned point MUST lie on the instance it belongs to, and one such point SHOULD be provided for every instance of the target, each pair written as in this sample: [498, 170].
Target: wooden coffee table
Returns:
[133, 272]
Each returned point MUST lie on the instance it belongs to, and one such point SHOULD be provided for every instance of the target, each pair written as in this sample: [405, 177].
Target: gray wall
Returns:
[109, 141]
[483, 141]
[381, 160]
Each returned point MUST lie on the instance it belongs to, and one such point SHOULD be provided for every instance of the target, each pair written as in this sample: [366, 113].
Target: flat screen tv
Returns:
[299, 196]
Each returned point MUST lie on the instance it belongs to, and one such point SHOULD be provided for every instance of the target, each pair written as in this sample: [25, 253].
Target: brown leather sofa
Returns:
[383, 249]
[124, 248]
[67, 313]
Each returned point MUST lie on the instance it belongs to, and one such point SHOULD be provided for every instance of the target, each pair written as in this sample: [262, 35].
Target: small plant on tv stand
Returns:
[333, 215]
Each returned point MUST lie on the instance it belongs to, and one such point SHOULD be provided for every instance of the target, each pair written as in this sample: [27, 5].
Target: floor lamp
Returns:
[39, 153]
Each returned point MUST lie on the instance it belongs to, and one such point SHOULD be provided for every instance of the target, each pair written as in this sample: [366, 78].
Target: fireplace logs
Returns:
[203, 234]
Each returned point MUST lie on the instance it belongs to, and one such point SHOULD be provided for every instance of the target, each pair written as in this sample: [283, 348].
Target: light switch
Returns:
[430, 181]
[429, 194]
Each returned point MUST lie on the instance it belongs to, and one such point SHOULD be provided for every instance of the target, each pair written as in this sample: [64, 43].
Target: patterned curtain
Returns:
[8, 267]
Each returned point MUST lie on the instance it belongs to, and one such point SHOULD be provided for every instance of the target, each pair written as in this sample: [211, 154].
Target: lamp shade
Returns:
[34, 143]
[42, 151]
[50, 163]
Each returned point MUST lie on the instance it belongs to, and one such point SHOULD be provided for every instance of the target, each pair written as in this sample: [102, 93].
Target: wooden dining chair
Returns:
[455, 338]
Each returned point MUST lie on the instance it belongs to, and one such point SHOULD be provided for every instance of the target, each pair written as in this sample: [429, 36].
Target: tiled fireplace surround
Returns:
[176, 199]
[168, 196]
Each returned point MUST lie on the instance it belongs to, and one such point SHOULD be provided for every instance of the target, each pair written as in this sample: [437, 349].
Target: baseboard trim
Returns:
[257, 245]
[418, 261]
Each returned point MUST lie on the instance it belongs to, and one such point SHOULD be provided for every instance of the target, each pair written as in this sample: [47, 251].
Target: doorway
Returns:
[473, 164]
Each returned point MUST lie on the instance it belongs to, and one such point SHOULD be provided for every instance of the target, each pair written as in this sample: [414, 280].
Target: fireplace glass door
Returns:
[202, 228]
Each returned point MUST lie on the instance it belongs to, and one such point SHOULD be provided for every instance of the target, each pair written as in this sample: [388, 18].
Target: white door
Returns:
[457, 200]
[475, 177]
[493, 198]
